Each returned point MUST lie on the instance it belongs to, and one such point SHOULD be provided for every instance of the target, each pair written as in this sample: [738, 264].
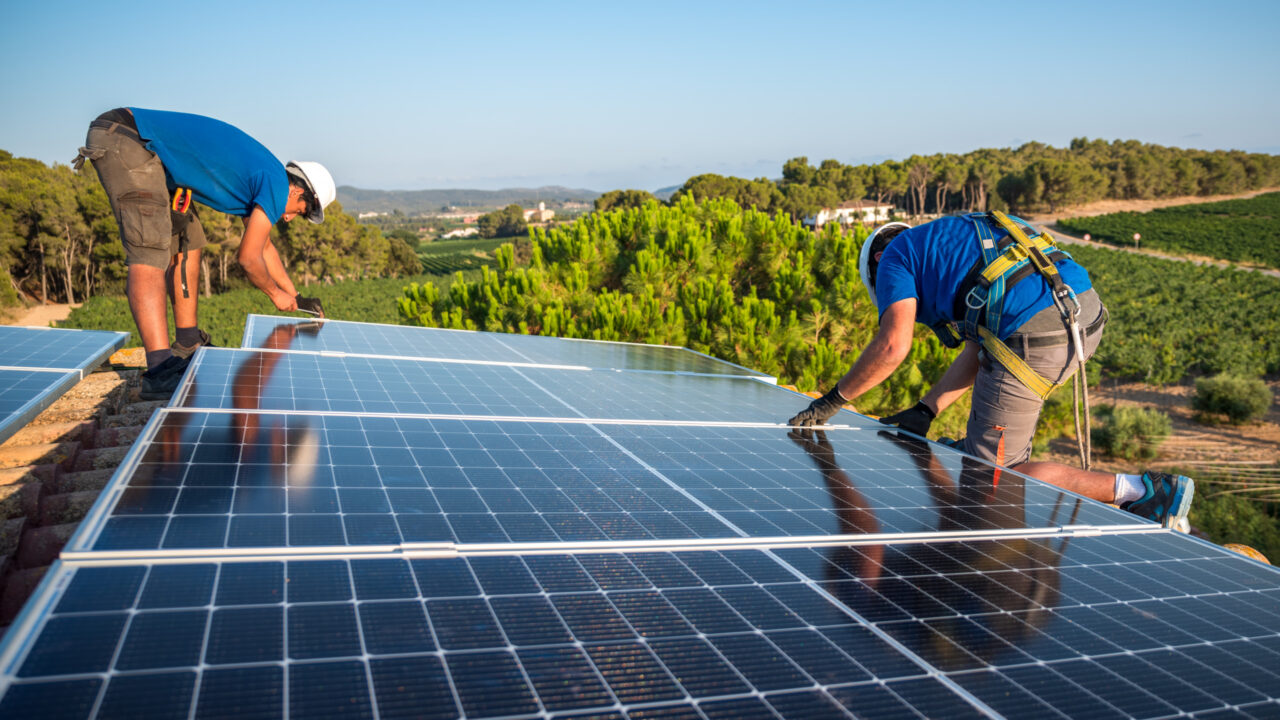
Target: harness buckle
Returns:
[974, 300]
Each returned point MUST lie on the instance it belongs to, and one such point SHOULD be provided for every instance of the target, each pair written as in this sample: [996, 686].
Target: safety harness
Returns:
[979, 305]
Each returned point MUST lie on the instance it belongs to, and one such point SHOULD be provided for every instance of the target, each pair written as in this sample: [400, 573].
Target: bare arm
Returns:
[275, 268]
[884, 353]
[956, 381]
[252, 257]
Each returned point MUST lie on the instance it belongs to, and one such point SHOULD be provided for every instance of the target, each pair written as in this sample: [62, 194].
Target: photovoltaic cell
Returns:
[698, 634]
[243, 379]
[282, 333]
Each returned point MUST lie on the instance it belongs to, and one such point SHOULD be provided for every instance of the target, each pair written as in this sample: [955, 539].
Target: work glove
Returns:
[310, 306]
[917, 419]
[820, 410]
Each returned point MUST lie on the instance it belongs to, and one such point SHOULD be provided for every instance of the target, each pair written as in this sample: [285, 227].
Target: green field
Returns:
[223, 316]
[1243, 231]
[450, 256]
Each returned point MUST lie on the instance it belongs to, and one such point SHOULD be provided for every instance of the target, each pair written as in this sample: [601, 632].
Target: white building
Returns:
[542, 214]
[848, 212]
[460, 233]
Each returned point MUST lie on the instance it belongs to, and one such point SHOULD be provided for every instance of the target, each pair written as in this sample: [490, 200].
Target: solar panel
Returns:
[714, 634]
[38, 365]
[239, 480]
[246, 379]
[262, 331]
[56, 348]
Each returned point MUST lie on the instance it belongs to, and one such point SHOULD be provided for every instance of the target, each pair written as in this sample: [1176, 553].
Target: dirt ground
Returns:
[40, 315]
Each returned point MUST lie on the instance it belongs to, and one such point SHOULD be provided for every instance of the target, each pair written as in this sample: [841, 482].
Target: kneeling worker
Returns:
[153, 165]
[1028, 318]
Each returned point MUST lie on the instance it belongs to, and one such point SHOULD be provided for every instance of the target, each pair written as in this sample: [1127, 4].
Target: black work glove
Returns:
[820, 410]
[917, 419]
[310, 306]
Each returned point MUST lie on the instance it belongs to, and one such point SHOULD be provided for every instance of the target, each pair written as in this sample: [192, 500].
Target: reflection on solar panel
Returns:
[310, 535]
[279, 333]
[246, 379]
[38, 365]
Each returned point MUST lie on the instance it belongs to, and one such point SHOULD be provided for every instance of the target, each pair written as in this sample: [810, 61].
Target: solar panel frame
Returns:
[374, 339]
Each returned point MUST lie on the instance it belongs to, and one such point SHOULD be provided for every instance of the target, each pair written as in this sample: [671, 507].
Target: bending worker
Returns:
[1027, 317]
[153, 165]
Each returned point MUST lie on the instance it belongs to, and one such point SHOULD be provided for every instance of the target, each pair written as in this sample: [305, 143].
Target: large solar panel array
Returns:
[332, 530]
[38, 365]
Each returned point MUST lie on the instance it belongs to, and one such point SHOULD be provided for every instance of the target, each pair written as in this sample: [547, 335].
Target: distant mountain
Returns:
[411, 202]
[664, 194]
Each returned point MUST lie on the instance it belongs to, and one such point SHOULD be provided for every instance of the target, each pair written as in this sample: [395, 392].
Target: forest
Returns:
[60, 243]
[1033, 176]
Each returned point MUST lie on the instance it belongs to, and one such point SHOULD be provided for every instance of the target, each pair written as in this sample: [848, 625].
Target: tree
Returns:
[507, 222]
[623, 199]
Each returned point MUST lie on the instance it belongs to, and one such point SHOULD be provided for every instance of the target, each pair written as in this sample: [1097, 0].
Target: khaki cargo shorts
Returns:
[133, 178]
[1003, 418]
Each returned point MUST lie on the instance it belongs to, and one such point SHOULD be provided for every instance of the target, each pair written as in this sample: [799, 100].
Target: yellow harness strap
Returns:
[1016, 365]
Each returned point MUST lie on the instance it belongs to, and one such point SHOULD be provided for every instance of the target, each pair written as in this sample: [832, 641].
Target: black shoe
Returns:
[1167, 500]
[186, 351]
[159, 382]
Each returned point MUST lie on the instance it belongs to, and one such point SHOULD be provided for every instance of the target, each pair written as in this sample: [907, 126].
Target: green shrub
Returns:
[1129, 432]
[1239, 398]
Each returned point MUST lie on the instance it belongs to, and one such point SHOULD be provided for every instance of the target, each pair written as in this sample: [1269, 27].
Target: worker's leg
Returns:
[133, 179]
[1096, 485]
[184, 308]
[145, 290]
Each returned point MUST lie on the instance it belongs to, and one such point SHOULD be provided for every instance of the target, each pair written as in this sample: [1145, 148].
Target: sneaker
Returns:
[186, 351]
[1167, 500]
[159, 382]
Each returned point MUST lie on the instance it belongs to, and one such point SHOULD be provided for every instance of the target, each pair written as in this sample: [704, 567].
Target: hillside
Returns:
[412, 202]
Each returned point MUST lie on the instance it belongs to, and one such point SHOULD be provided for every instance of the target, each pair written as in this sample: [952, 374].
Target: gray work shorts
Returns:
[133, 178]
[1002, 421]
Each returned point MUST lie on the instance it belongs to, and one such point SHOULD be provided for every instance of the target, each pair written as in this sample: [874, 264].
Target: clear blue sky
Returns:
[603, 95]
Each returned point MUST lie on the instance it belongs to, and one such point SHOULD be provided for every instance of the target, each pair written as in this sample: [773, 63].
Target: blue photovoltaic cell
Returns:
[24, 393]
[239, 480]
[56, 348]
[282, 333]
[242, 379]
[1144, 625]
[694, 634]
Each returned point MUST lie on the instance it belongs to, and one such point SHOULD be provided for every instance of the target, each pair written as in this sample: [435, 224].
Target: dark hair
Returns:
[880, 242]
[307, 196]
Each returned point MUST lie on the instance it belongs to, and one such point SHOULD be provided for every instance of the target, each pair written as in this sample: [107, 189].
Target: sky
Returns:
[603, 95]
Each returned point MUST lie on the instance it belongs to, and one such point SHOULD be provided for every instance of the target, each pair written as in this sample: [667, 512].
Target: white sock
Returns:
[1129, 488]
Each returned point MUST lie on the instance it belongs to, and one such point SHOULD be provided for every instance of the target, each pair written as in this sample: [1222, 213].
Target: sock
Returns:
[1129, 488]
[188, 336]
[155, 357]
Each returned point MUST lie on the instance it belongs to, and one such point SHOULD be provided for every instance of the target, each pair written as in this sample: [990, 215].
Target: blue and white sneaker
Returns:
[1167, 500]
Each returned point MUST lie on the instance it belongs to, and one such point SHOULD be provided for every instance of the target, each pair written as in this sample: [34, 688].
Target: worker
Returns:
[153, 166]
[1026, 316]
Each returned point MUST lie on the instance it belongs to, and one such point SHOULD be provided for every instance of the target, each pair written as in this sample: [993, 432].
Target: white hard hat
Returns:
[318, 181]
[876, 243]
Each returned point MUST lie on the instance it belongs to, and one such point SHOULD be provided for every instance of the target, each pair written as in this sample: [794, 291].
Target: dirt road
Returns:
[41, 315]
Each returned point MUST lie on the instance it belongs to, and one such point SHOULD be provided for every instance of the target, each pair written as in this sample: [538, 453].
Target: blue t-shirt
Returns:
[928, 263]
[225, 168]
